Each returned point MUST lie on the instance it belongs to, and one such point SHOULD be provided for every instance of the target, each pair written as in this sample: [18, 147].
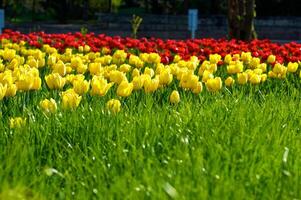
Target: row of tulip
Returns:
[77, 73]
[167, 49]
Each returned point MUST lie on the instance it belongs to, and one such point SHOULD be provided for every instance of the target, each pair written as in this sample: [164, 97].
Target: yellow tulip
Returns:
[138, 82]
[87, 48]
[55, 81]
[150, 85]
[25, 82]
[51, 60]
[255, 78]
[189, 81]
[9, 54]
[80, 49]
[11, 90]
[271, 74]
[32, 63]
[292, 67]
[254, 62]
[246, 57]
[271, 59]
[70, 99]
[149, 71]
[227, 59]
[3, 89]
[198, 88]
[60, 68]
[95, 68]
[117, 76]
[177, 58]
[81, 86]
[257, 71]
[214, 58]
[17, 122]
[206, 76]
[242, 78]
[6, 78]
[75, 62]
[263, 67]
[119, 57]
[125, 68]
[100, 86]
[37, 82]
[114, 106]
[125, 89]
[135, 72]
[229, 81]
[235, 67]
[154, 58]
[214, 84]
[48, 105]
[263, 77]
[174, 97]
[14, 63]
[165, 77]
[81, 69]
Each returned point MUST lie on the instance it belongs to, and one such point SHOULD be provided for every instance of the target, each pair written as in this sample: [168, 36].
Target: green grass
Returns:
[229, 145]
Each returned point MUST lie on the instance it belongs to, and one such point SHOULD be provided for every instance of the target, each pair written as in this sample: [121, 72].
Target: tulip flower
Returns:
[119, 57]
[48, 105]
[138, 82]
[125, 89]
[11, 90]
[95, 68]
[81, 86]
[3, 89]
[59, 68]
[198, 88]
[174, 97]
[9, 54]
[125, 68]
[165, 77]
[149, 71]
[117, 76]
[242, 78]
[55, 81]
[154, 58]
[100, 86]
[271, 59]
[135, 72]
[17, 122]
[150, 85]
[214, 84]
[25, 82]
[214, 58]
[292, 67]
[229, 81]
[114, 105]
[255, 78]
[70, 99]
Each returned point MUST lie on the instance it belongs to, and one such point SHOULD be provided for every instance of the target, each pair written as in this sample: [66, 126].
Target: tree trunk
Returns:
[241, 15]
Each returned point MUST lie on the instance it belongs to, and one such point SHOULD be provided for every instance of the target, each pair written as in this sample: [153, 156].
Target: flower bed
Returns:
[77, 65]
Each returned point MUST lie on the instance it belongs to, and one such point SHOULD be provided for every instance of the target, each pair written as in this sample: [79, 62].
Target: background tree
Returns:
[241, 15]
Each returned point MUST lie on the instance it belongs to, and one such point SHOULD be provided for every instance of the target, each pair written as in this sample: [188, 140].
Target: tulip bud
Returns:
[114, 105]
[174, 97]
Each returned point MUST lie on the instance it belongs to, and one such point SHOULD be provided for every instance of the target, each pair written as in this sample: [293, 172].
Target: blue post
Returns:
[192, 21]
[2, 20]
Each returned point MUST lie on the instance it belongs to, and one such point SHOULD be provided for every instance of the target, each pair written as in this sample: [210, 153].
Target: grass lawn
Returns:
[242, 143]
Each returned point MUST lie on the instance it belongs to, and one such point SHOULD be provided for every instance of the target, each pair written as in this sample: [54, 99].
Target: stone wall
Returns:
[174, 27]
